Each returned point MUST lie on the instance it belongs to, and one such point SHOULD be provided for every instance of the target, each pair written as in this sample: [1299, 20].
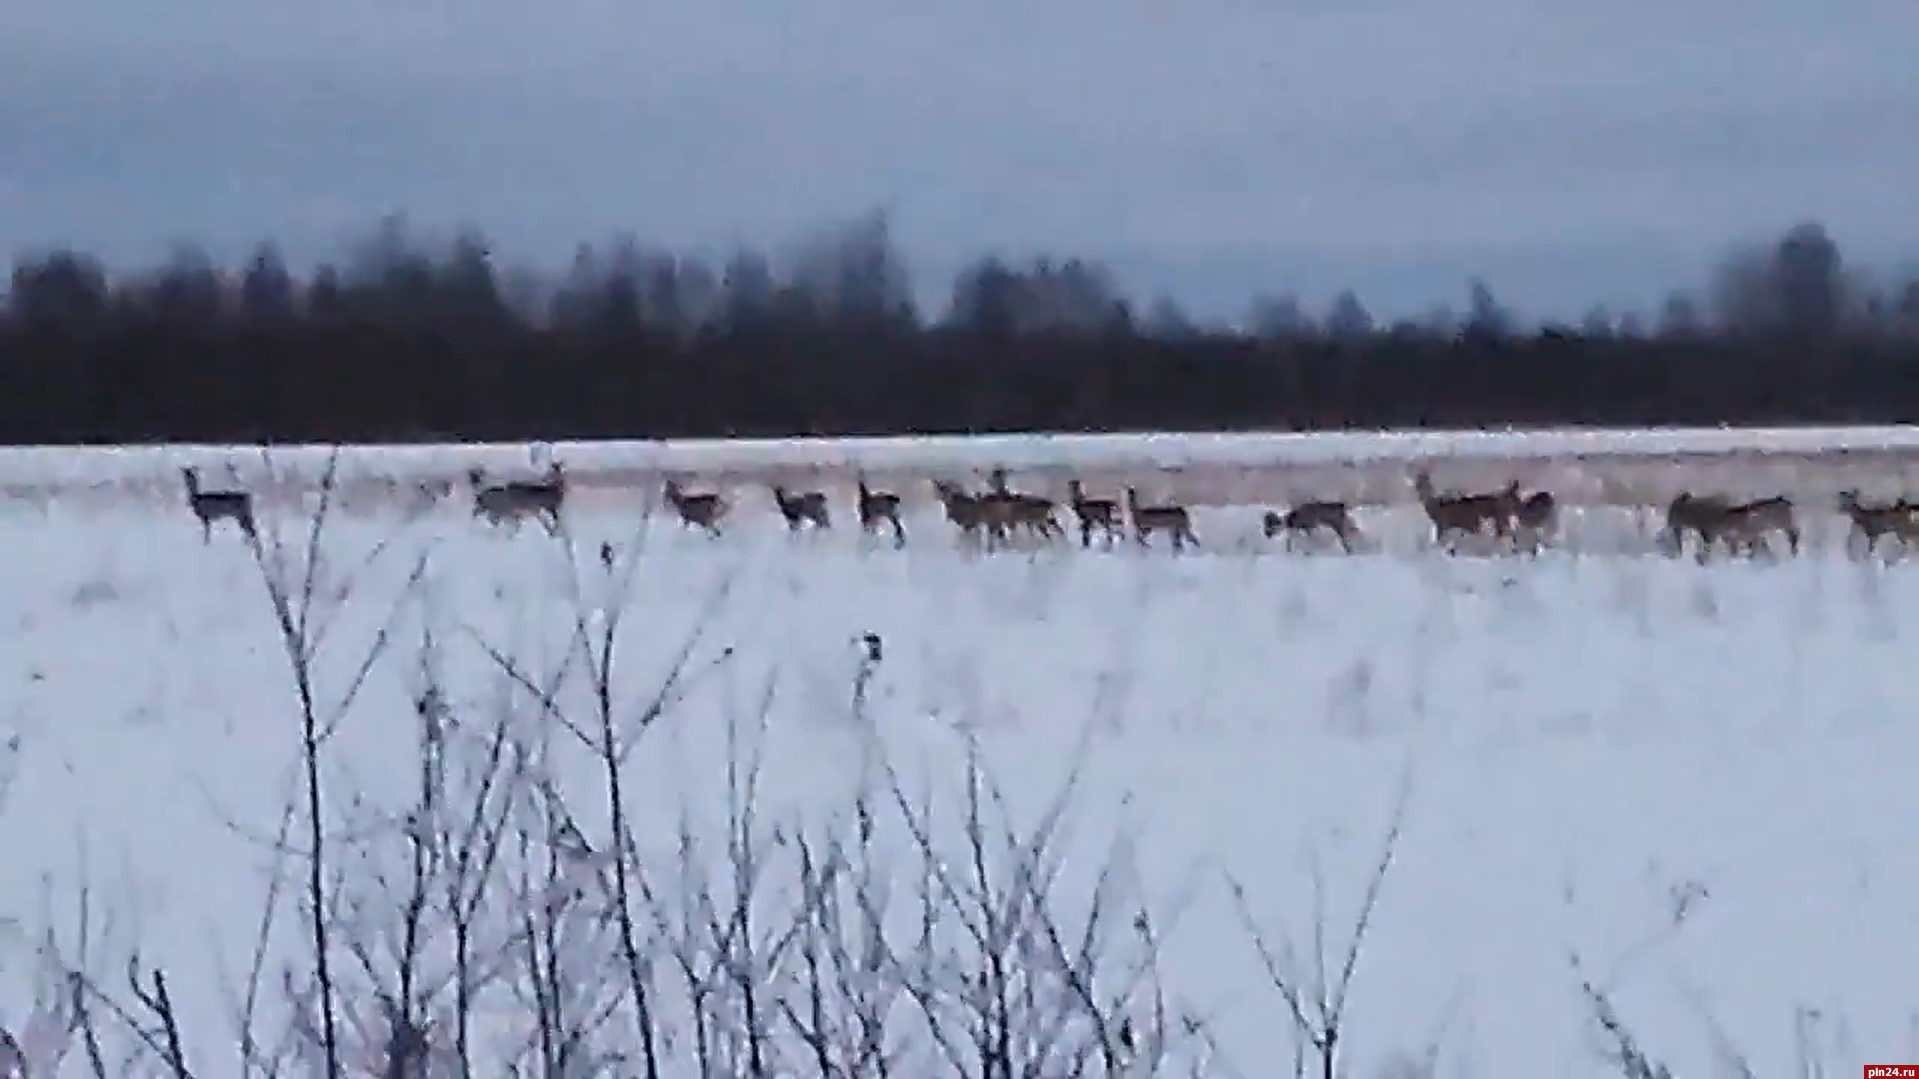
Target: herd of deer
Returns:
[999, 515]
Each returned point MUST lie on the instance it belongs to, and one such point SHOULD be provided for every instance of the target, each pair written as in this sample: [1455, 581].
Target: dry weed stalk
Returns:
[1316, 1000]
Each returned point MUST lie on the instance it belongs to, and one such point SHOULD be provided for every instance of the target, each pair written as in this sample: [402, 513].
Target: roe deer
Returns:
[1308, 518]
[966, 511]
[515, 500]
[1703, 516]
[1170, 518]
[212, 506]
[1031, 512]
[877, 508]
[1007, 509]
[1093, 513]
[807, 507]
[1535, 518]
[703, 511]
[1899, 520]
[1746, 526]
[1464, 515]
[1754, 523]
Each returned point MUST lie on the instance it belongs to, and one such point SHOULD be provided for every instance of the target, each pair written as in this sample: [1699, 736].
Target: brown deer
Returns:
[1745, 526]
[1170, 518]
[1032, 513]
[805, 508]
[1309, 517]
[1007, 510]
[1454, 516]
[212, 506]
[1874, 522]
[1703, 516]
[704, 511]
[511, 502]
[1535, 518]
[967, 511]
[1101, 514]
[1753, 524]
[878, 508]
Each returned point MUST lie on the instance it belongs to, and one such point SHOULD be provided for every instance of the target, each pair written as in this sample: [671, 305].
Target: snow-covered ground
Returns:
[1690, 785]
[69, 468]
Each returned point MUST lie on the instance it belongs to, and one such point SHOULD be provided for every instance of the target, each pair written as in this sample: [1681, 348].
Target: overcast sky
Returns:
[1569, 152]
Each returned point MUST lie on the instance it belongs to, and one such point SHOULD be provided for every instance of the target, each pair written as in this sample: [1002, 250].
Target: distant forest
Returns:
[407, 340]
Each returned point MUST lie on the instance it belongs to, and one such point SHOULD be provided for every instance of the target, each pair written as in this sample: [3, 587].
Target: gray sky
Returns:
[1570, 153]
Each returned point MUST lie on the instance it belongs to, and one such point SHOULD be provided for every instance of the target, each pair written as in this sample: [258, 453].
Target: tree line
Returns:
[406, 340]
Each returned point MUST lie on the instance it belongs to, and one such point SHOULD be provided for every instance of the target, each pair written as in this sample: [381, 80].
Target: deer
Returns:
[1170, 518]
[1007, 509]
[1308, 518]
[1464, 515]
[1874, 522]
[800, 510]
[1754, 523]
[515, 500]
[1031, 512]
[1703, 516]
[878, 508]
[1744, 526]
[967, 511]
[1534, 518]
[704, 511]
[210, 507]
[1101, 514]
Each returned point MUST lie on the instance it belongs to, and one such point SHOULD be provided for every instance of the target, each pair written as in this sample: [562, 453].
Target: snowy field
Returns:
[118, 470]
[1687, 787]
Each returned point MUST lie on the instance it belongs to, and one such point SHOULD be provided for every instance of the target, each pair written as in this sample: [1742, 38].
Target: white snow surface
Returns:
[107, 465]
[1697, 780]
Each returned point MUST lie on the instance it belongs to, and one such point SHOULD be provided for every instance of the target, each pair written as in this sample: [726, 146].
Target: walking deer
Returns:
[1454, 515]
[1535, 518]
[1703, 516]
[1101, 514]
[1745, 526]
[511, 502]
[805, 508]
[703, 511]
[1308, 518]
[966, 511]
[1753, 524]
[1874, 522]
[213, 506]
[1170, 518]
[878, 508]
[1007, 510]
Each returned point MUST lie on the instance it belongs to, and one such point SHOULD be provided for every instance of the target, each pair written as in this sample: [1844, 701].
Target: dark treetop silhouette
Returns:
[403, 343]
